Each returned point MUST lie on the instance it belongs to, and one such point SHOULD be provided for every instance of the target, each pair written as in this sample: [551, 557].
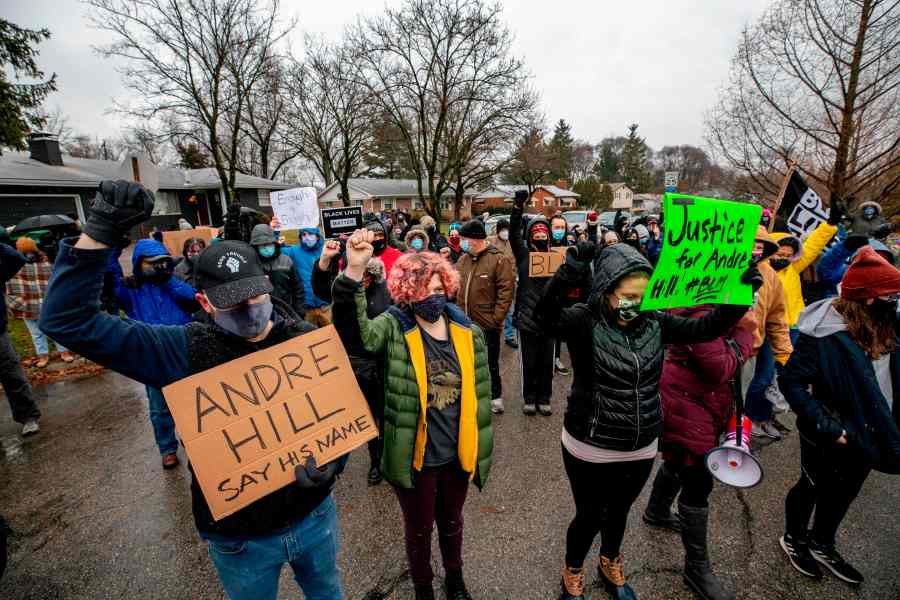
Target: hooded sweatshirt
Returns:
[810, 250]
[157, 304]
[390, 254]
[304, 259]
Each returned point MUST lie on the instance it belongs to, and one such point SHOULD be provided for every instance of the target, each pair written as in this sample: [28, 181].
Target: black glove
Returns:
[520, 198]
[882, 232]
[837, 211]
[855, 242]
[309, 476]
[117, 207]
[582, 252]
[752, 277]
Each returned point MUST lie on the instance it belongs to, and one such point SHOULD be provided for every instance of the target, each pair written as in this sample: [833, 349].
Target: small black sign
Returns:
[343, 220]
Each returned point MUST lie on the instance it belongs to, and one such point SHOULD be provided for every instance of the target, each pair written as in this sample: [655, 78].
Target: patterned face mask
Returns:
[628, 310]
[431, 308]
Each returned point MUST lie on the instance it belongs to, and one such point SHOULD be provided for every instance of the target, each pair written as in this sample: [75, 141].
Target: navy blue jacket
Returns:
[845, 397]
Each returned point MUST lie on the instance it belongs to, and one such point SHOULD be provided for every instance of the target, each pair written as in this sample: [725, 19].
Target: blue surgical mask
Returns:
[417, 244]
[267, 251]
[559, 234]
[310, 241]
[465, 245]
[869, 212]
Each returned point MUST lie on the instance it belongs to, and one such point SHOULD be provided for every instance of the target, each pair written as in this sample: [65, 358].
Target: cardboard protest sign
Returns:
[174, 240]
[545, 264]
[247, 423]
[343, 220]
[296, 208]
[706, 249]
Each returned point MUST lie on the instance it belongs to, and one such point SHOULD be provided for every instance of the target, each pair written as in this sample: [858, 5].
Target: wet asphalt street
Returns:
[95, 516]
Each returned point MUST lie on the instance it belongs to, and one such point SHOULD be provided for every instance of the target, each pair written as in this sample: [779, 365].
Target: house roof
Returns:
[508, 191]
[389, 188]
[17, 168]
[616, 186]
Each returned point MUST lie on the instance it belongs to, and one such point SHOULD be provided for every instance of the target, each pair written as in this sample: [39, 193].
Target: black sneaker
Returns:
[800, 556]
[828, 556]
[560, 368]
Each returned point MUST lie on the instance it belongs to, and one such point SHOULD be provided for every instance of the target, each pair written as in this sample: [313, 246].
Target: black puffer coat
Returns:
[614, 402]
[529, 290]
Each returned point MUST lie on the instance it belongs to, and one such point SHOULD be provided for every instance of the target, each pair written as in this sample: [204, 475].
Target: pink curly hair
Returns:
[408, 281]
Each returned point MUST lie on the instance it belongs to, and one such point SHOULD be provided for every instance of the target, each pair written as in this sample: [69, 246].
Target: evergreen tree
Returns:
[562, 148]
[590, 190]
[606, 197]
[19, 101]
[609, 162]
[636, 162]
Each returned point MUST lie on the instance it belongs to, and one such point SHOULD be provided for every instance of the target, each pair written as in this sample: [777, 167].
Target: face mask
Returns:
[417, 244]
[378, 246]
[764, 221]
[868, 212]
[779, 264]
[248, 321]
[310, 241]
[156, 275]
[267, 251]
[558, 234]
[756, 255]
[32, 257]
[628, 310]
[431, 308]
[541, 245]
[503, 235]
[465, 245]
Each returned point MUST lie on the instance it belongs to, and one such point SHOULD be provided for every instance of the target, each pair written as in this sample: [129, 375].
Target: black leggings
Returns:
[604, 493]
[536, 367]
[695, 480]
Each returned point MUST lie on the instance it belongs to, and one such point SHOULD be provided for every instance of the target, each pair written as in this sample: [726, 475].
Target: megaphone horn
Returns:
[732, 463]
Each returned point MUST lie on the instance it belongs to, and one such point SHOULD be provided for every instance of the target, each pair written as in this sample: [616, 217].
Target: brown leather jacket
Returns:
[487, 283]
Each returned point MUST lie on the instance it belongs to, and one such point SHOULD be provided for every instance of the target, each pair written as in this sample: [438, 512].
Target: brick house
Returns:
[376, 195]
[546, 199]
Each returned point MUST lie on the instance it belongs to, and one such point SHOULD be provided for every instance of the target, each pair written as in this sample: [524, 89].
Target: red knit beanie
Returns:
[869, 276]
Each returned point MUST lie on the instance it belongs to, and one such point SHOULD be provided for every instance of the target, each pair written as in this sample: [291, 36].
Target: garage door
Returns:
[14, 209]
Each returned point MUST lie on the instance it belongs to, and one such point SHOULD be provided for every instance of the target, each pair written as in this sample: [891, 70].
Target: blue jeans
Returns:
[509, 332]
[249, 568]
[162, 421]
[40, 339]
[756, 406]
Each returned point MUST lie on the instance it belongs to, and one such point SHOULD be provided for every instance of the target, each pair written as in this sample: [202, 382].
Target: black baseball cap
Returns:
[230, 273]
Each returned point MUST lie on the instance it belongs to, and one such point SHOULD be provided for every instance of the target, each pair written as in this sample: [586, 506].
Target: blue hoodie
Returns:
[148, 302]
[304, 260]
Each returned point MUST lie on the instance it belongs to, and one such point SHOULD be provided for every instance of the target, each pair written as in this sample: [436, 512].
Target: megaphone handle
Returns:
[737, 393]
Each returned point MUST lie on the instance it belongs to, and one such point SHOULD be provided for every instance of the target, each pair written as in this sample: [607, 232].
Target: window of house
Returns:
[262, 197]
[445, 204]
[387, 204]
[166, 203]
[549, 202]
[417, 205]
[356, 202]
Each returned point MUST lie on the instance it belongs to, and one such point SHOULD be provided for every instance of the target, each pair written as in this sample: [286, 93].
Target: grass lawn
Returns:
[20, 337]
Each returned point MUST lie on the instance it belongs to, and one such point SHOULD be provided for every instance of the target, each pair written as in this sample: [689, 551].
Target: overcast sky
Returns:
[598, 64]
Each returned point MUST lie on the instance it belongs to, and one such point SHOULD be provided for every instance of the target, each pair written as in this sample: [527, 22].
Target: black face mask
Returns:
[378, 247]
[157, 274]
[779, 264]
[540, 245]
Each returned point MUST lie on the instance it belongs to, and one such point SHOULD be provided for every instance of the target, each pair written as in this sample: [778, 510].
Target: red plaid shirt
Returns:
[25, 292]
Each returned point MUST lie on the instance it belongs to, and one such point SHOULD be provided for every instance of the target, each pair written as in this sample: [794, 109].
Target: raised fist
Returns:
[117, 207]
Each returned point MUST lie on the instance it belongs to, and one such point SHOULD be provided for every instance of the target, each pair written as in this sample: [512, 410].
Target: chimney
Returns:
[45, 148]
[562, 184]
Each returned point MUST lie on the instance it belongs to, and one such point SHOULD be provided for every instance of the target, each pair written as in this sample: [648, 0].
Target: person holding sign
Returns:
[250, 546]
[437, 426]
[536, 349]
[613, 417]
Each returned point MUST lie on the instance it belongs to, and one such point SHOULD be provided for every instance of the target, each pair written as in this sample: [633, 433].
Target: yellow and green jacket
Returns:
[790, 277]
[395, 336]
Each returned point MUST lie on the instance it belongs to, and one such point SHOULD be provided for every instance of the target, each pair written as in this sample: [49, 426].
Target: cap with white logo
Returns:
[230, 273]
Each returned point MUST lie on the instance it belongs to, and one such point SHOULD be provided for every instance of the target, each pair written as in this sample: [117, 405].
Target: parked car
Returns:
[608, 219]
[576, 217]
[490, 224]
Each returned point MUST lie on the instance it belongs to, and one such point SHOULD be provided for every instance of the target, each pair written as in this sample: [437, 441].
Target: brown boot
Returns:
[572, 584]
[612, 574]
[43, 361]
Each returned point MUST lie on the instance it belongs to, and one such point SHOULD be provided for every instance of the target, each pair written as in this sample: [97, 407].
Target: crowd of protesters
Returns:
[423, 315]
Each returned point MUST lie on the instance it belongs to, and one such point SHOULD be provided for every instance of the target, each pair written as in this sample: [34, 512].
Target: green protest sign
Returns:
[706, 248]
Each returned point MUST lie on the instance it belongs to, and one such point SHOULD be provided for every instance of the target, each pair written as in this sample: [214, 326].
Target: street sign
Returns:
[338, 221]
[671, 181]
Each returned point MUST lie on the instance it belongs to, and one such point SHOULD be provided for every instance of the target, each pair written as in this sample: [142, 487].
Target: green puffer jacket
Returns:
[396, 336]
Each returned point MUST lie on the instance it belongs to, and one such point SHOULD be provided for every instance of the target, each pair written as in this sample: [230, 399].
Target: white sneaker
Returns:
[497, 406]
[776, 398]
[30, 427]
